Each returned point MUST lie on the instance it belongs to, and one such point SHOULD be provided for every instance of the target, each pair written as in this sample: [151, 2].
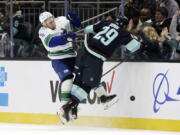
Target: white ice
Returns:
[23, 129]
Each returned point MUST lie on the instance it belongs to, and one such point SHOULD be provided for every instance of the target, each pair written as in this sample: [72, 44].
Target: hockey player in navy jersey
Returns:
[108, 35]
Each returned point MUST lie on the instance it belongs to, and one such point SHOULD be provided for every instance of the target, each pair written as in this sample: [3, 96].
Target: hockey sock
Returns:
[78, 94]
[66, 86]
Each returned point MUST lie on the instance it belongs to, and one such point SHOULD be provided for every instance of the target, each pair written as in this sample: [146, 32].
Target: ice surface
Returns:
[23, 129]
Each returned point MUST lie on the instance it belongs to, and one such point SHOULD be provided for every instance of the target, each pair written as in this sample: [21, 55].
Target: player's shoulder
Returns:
[100, 22]
[124, 32]
[43, 31]
[104, 23]
[61, 18]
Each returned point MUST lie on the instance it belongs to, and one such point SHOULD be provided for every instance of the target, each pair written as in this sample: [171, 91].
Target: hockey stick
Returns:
[95, 17]
[126, 58]
[115, 65]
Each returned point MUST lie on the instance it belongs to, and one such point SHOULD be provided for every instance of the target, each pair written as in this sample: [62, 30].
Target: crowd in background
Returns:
[156, 23]
[25, 38]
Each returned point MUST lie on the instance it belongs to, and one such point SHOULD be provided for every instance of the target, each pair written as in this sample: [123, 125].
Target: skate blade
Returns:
[110, 103]
[61, 118]
[74, 117]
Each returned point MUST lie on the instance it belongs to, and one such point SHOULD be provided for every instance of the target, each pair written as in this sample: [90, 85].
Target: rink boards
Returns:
[149, 96]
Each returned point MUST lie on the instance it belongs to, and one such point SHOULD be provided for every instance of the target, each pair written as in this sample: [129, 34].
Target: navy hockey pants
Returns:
[88, 70]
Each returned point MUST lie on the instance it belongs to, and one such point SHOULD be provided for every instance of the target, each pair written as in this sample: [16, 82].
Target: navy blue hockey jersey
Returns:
[107, 37]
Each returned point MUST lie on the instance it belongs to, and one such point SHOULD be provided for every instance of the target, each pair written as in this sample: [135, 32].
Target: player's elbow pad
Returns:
[133, 46]
[57, 40]
[74, 19]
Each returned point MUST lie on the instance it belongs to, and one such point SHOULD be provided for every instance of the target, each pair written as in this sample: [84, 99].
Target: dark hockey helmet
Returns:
[122, 21]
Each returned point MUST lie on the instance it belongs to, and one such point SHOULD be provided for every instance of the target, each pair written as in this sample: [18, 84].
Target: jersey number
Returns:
[107, 35]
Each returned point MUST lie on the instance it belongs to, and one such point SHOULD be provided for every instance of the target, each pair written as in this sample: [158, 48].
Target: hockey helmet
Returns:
[122, 21]
[44, 16]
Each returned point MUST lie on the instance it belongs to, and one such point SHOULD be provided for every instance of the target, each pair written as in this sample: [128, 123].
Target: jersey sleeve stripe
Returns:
[71, 50]
[91, 51]
[48, 38]
[133, 45]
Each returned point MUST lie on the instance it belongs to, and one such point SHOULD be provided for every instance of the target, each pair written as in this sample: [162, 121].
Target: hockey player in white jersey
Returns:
[57, 38]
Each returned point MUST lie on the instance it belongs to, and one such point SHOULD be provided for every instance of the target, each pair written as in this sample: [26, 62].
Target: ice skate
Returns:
[108, 100]
[67, 112]
[74, 113]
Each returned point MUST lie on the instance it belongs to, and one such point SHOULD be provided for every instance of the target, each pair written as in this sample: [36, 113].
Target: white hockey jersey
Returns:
[60, 51]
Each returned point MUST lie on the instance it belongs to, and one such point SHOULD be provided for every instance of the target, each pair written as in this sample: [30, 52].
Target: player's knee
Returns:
[84, 86]
[66, 83]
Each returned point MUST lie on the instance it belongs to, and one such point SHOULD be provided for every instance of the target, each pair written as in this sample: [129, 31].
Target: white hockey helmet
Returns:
[45, 15]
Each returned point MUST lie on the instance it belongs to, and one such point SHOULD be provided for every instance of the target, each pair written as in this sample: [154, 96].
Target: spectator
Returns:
[161, 20]
[175, 25]
[150, 4]
[167, 44]
[175, 35]
[110, 16]
[1, 22]
[169, 49]
[178, 1]
[129, 10]
[145, 18]
[20, 31]
[171, 5]
[176, 54]
[150, 40]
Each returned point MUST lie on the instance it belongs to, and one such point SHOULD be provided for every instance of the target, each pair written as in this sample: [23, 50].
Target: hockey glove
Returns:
[70, 36]
[74, 18]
